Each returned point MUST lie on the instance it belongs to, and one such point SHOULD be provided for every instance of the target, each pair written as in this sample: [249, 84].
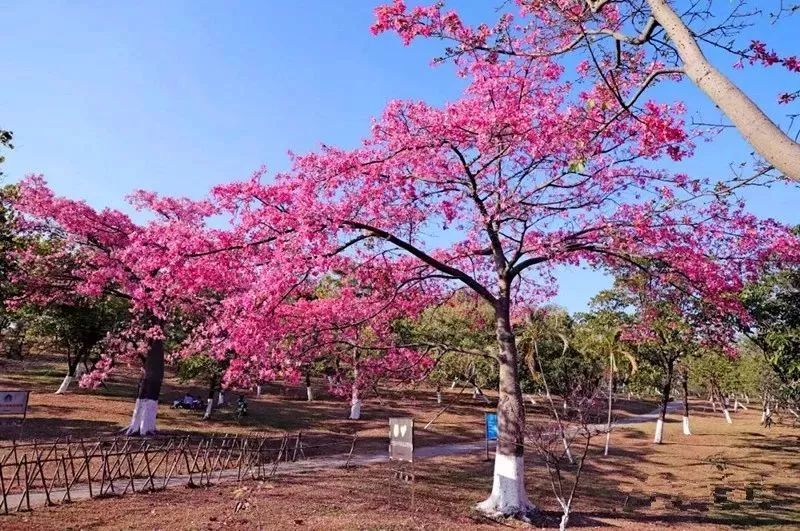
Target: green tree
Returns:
[774, 306]
[78, 329]
[461, 335]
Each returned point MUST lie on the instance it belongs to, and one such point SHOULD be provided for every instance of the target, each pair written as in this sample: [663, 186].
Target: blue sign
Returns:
[491, 426]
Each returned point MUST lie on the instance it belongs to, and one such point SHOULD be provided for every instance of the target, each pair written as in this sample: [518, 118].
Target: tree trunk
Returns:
[757, 129]
[143, 420]
[74, 371]
[309, 390]
[212, 387]
[610, 401]
[355, 400]
[508, 495]
[685, 383]
[723, 402]
[355, 404]
[665, 391]
[438, 395]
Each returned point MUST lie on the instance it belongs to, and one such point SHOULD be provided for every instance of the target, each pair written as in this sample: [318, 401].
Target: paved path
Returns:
[81, 492]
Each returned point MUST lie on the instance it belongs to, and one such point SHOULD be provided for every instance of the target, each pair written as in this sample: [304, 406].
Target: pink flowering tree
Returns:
[489, 194]
[314, 308]
[612, 38]
[94, 254]
[669, 324]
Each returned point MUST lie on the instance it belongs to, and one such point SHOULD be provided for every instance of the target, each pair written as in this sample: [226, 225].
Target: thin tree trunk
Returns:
[685, 383]
[355, 400]
[723, 400]
[212, 387]
[665, 392]
[610, 400]
[553, 406]
[309, 390]
[143, 420]
[754, 125]
[73, 371]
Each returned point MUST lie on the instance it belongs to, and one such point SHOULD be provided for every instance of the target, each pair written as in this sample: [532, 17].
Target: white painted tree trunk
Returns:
[474, 392]
[727, 415]
[69, 378]
[143, 420]
[355, 405]
[309, 393]
[258, 390]
[686, 430]
[746, 399]
[735, 405]
[453, 385]
[209, 408]
[508, 495]
[658, 439]
[438, 397]
[64, 385]
[220, 398]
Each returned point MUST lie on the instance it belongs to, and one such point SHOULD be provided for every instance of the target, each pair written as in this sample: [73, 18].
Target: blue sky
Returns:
[108, 97]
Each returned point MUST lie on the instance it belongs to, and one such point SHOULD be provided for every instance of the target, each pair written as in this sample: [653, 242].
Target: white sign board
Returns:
[401, 439]
[13, 402]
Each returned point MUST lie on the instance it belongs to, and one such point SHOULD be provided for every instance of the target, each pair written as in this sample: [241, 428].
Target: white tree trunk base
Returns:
[727, 416]
[258, 390]
[686, 430]
[438, 397]
[209, 408]
[562, 526]
[143, 420]
[508, 498]
[355, 410]
[65, 383]
[659, 438]
[309, 393]
[221, 399]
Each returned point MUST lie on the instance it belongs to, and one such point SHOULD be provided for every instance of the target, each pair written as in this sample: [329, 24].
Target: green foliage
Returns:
[548, 345]
[199, 367]
[80, 326]
[461, 334]
[714, 370]
[774, 305]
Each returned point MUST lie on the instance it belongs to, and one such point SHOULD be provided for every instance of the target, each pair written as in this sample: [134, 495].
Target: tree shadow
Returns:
[44, 427]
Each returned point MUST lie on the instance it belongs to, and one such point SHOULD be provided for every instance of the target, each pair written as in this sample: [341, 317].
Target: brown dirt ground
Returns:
[364, 498]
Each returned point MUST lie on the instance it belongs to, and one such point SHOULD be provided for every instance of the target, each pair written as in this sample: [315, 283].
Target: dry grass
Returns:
[684, 469]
